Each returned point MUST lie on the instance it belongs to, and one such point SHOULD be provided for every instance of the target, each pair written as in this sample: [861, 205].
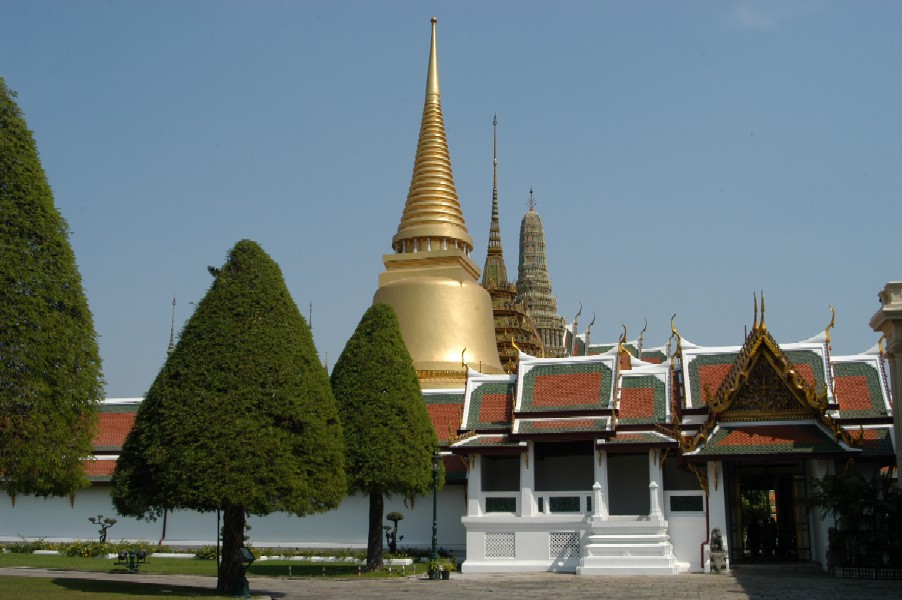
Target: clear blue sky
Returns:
[683, 154]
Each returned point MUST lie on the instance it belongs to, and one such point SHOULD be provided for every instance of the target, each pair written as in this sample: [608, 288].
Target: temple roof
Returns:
[565, 385]
[489, 403]
[627, 405]
[644, 396]
[805, 438]
[859, 384]
[445, 408]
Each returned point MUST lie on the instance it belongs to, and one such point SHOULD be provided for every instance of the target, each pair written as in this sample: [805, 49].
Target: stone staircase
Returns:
[627, 545]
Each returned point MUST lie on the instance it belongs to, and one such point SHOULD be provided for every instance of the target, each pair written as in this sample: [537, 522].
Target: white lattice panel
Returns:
[563, 544]
[499, 544]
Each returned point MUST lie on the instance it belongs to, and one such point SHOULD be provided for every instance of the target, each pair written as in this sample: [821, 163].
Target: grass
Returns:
[175, 566]
[40, 588]
[182, 566]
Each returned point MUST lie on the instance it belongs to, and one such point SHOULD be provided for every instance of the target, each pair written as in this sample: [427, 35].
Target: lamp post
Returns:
[435, 459]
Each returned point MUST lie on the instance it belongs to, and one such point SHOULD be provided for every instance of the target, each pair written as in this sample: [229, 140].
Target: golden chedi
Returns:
[430, 280]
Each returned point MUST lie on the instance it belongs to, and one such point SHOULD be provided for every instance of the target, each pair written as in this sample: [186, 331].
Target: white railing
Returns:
[501, 502]
[564, 502]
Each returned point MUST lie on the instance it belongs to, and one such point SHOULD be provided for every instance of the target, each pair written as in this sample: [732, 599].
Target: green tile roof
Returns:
[858, 388]
[491, 406]
[567, 386]
[639, 438]
[556, 426]
[643, 399]
[489, 441]
[802, 438]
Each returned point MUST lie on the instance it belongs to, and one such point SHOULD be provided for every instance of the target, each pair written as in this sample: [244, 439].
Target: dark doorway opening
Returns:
[768, 512]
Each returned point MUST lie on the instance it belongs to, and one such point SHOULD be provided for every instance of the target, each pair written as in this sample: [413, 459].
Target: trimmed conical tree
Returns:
[389, 439]
[50, 381]
[241, 417]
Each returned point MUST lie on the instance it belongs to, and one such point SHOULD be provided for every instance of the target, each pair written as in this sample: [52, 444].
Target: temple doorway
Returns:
[768, 512]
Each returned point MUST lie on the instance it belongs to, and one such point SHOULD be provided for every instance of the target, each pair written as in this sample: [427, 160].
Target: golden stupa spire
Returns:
[432, 218]
[430, 280]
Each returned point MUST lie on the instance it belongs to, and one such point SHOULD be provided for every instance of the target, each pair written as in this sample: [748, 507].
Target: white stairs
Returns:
[627, 545]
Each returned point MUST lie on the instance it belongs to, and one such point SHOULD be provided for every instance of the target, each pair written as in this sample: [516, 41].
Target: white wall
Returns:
[55, 520]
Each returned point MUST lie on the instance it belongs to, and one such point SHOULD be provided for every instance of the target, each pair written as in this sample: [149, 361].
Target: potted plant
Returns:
[446, 565]
[433, 568]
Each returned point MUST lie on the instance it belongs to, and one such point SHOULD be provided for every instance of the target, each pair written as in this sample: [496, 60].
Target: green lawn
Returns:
[182, 566]
[40, 588]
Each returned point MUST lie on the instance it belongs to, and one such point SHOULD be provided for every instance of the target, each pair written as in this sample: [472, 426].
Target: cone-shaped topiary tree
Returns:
[241, 417]
[389, 439]
[50, 382]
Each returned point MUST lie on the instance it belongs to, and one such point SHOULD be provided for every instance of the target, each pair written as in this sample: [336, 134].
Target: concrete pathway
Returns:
[802, 582]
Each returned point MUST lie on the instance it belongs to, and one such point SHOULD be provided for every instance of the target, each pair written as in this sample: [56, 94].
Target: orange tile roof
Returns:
[445, 419]
[99, 468]
[807, 374]
[567, 389]
[711, 378]
[852, 393]
[637, 403]
[496, 408]
[770, 435]
[113, 428]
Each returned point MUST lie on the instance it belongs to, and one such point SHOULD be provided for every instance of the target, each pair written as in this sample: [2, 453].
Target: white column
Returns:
[599, 507]
[888, 320]
[655, 512]
[818, 469]
[656, 476]
[474, 486]
[528, 481]
[601, 477]
[717, 502]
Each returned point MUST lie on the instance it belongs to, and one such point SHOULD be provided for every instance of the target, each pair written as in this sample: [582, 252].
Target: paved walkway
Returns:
[803, 582]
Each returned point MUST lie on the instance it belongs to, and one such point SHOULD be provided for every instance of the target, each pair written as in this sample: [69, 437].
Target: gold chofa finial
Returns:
[832, 323]
[463, 363]
[755, 319]
[762, 325]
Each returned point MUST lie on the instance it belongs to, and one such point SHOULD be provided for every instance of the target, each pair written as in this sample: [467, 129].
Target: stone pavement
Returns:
[805, 582]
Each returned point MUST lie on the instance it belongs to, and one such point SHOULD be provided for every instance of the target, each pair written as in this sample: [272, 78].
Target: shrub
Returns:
[86, 549]
[205, 553]
[24, 546]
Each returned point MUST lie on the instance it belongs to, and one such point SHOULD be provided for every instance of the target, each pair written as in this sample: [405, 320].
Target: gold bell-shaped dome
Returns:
[430, 280]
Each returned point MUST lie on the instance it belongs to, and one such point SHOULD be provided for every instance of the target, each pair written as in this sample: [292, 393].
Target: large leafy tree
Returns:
[389, 439]
[241, 417]
[50, 381]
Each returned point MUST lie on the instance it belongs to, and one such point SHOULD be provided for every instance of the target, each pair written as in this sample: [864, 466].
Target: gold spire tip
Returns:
[434, 20]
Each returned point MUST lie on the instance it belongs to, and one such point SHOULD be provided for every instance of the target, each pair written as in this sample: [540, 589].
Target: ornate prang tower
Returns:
[534, 286]
[513, 328]
[430, 280]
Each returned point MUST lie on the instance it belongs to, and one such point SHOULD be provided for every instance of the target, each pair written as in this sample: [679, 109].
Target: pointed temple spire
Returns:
[432, 215]
[534, 285]
[514, 330]
[494, 273]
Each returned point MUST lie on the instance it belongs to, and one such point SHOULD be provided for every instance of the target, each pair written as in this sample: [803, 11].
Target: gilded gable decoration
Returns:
[763, 383]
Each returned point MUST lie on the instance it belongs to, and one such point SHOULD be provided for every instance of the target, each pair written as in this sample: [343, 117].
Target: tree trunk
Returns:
[374, 537]
[233, 520]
